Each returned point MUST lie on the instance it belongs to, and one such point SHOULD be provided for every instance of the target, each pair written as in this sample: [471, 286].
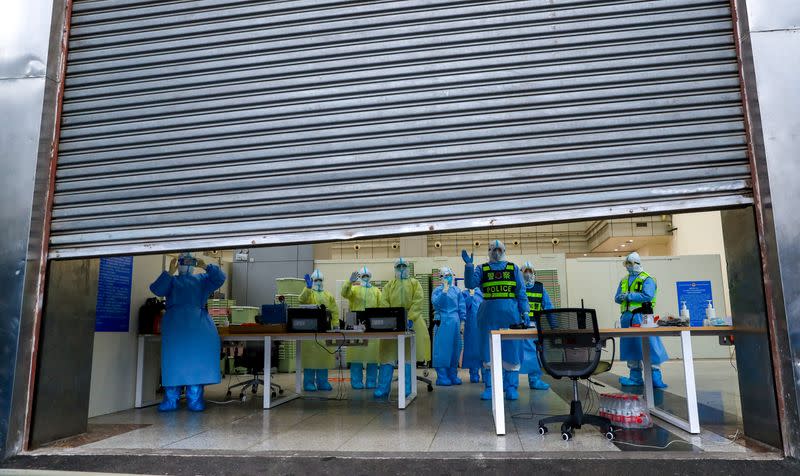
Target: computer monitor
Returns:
[383, 319]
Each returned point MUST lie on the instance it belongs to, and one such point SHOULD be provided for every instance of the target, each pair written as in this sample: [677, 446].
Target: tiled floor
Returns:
[450, 419]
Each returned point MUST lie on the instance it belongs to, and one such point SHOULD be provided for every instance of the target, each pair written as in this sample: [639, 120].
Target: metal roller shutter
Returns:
[224, 123]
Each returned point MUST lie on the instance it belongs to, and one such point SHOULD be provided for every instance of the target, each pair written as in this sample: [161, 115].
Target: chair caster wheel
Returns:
[609, 435]
[542, 430]
[243, 398]
[228, 395]
[425, 373]
[255, 390]
[566, 436]
[280, 391]
[273, 394]
[430, 388]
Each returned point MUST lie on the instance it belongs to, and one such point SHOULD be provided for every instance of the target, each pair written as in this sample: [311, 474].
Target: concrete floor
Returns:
[449, 420]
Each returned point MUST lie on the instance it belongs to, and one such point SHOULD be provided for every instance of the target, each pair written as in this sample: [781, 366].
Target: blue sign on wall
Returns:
[113, 310]
[696, 294]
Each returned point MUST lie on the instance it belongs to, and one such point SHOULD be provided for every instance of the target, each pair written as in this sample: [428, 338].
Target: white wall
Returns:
[595, 281]
[701, 234]
[114, 355]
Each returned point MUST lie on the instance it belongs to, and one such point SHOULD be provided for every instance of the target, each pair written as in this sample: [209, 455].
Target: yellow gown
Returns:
[360, 298]
[312, 355]
[406, 293]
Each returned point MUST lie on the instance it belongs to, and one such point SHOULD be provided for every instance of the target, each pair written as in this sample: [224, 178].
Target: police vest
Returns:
[500, 284]
[636, 287]
[535, 298]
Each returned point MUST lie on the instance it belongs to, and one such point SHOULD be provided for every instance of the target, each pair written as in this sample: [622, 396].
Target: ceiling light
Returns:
[585, 254]
[615, 249]
[630, 241]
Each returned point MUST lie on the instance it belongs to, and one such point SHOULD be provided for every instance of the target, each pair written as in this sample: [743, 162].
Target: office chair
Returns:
[569, 345]
[253, 360]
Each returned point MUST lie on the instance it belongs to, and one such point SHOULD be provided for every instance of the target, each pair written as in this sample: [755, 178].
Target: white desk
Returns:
[692, 425]
[269, 402]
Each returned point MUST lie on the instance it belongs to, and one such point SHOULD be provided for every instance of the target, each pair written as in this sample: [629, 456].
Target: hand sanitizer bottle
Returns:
[684, 312]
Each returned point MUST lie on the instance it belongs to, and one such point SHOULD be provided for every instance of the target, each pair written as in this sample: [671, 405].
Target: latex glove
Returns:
[354, 277]
[201, 263]
[173, 266]
[467, 257]
[624, 296]
[410, 324]
[307, 277]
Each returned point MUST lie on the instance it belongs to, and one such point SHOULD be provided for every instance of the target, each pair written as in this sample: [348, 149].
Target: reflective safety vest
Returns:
[636, 287]
[535, 298]
[500, 284]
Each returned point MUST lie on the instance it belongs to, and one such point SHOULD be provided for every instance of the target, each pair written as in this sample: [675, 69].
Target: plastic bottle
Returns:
[711, 313]
[684, 311]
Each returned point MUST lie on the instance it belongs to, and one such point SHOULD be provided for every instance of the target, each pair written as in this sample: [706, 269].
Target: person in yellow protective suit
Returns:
[403, 291]
[361, 294]
[317, 358]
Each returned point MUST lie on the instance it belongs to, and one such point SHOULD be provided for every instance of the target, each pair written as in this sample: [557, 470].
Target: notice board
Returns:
[113, 310]
[696, 294]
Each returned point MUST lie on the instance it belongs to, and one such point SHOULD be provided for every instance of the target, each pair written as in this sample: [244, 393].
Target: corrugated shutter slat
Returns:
[223, 123]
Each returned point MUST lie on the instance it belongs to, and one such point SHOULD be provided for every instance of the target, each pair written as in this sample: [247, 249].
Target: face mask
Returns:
[448, 280]
[365, 281]
[184, 270]
[634, 269]
[317, 286]
[530, 278]
[401, 273]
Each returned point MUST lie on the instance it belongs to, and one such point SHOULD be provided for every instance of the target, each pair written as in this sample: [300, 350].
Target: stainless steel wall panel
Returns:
[226, 117]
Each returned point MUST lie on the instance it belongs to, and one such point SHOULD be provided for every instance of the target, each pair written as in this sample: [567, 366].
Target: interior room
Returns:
[110, 325]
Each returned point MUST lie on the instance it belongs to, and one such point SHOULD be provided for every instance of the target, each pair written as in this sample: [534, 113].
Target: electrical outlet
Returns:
[725, 340]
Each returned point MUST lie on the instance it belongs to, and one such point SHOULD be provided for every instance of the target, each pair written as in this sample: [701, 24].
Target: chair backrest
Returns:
[569, 342]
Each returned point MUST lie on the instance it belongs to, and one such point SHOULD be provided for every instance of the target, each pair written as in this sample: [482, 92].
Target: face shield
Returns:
[497, 251]
[528, 273]
[633, 264]
[365, 277]
[186, 263]
[446, 274]
[401, 269]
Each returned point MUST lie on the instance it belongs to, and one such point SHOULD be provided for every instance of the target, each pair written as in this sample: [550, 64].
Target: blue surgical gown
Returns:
[496, 314]
[190, 344]
[472, 347]
[630, 348]
[528, 356]
[450, 309]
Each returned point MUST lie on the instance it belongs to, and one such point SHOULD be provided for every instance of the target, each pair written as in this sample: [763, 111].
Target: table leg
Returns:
[688, 375]
[413, 358]
[298, 367]
[267, 372]
[498, 408]
[693, 425]
[401, 372]
[647, 373]
[140, 372]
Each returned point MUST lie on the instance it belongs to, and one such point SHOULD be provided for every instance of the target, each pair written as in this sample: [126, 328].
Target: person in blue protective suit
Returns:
[538, 300]
[361, 294]
[472, 351]
[190, 344]
[634, 290]
[450, 311]
[504, 303]
[317, 359]
[406, 292]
